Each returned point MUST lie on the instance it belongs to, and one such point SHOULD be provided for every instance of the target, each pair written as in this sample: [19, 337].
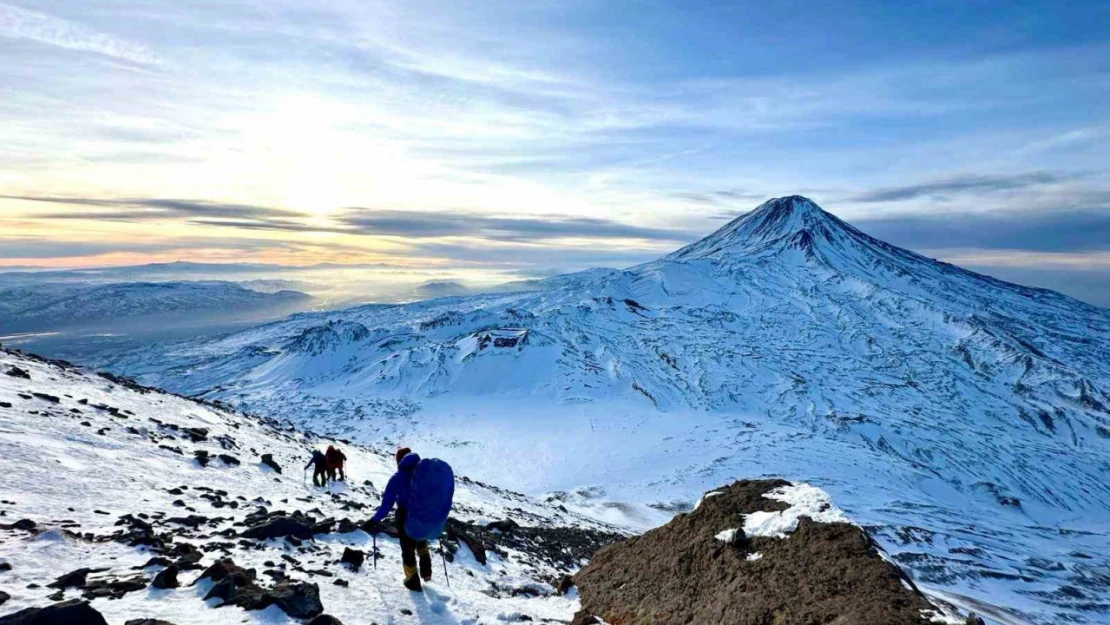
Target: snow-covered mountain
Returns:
[965, 418]
[68, 304]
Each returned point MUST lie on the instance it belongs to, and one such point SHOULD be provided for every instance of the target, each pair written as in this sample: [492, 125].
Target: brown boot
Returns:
[425, 562]
[412, 581]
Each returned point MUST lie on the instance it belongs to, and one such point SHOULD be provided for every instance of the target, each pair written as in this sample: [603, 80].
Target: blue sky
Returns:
[550, 135]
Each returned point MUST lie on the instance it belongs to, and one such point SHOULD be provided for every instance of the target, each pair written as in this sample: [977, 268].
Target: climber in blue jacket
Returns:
[397, 492]
[320, 472]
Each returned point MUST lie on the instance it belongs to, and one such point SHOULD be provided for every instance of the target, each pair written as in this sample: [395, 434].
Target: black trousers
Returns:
[319, 476]
[410, 548]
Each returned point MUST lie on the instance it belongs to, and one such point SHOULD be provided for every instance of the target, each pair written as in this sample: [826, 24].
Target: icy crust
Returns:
[804, 500]
[79, 452]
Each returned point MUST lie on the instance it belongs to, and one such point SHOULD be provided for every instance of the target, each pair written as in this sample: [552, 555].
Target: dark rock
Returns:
[16, 372]
[506, 525]
[346, 526]
[147, 621]
[27, 525]
[157, 561]
[193, 520]
[341, 582]
[73, 579]
[268, 460]
[5, 566]
[197, 434]
[4, 597]
[225, 589]
[113, 589]
[325, 619]
[229, 460]
[54, 399]
[4, 404]
[279, 527]
[681, 573]
[227, 569]
[973, 619]
[565, 584]
[189, 561]
[166, 578]
[353, 558]
[202, 457]
[72, 612]
[298, 600]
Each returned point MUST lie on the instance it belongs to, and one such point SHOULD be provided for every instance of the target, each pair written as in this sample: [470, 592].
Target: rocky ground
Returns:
[744, 558]
[122, 504]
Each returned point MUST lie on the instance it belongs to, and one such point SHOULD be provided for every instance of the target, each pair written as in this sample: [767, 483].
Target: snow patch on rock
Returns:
[804, 500]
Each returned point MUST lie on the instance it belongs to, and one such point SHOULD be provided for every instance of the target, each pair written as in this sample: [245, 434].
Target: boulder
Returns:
[504, 525]
[298, 600]
[280, 527]
[353, 558]
[73, 579]
[4, 597]
[16, 372]
[268, 460]
[113, 589]
[686, 572]
[26, 525]
[166, 578]
[225, 569]
[325, 619]
[147, 621]
[72, 612]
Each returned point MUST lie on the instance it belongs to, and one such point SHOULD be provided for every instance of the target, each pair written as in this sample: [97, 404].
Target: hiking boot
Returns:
[413, 583]
[425, 563]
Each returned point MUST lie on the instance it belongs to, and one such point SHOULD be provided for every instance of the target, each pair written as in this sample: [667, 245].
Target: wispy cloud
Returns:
[967, 184]
[1036, 231]
[140, 209]
[427, 224]
[19, 23]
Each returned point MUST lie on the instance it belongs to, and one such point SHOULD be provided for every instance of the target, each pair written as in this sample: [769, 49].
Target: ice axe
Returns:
[442, 557]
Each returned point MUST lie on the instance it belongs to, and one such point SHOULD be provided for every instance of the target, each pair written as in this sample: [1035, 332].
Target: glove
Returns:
[373, 528]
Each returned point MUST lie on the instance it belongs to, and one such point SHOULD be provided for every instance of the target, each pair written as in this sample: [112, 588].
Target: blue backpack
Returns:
[430, 493]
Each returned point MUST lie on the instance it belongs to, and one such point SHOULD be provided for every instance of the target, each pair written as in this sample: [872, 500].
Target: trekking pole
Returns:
[442, 557]
[374, 553]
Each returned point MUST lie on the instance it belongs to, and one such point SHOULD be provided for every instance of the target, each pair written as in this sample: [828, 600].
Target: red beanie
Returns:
[402, 452]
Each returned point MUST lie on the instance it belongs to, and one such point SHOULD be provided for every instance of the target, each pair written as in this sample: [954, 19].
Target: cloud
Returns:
[20, 23]
[140, 209]
[357, 221]
[1069, 230]
[963, 184]
[42, 248]
[542, 261]
[529, 229]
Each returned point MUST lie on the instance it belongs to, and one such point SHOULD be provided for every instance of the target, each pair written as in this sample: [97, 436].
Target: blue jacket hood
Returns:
[409, 462]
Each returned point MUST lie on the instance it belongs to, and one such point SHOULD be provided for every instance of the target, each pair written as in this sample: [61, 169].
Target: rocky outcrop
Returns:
[72, 612]
[701, 568]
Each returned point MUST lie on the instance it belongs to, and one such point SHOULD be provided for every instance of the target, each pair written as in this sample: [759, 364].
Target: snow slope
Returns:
[963, 418]
[63, 305]
[79, 451]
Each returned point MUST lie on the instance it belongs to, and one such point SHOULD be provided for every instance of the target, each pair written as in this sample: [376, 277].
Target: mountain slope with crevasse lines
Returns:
[966, 419]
